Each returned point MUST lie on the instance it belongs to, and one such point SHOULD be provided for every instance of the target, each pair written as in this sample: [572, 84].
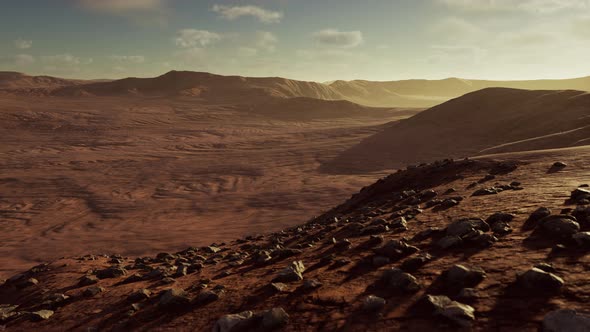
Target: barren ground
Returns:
[138, 176]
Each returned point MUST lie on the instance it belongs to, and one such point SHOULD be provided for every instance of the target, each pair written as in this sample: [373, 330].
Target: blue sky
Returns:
[317, 40]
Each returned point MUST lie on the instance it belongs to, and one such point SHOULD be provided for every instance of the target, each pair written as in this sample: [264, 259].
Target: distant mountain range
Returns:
[217, 88]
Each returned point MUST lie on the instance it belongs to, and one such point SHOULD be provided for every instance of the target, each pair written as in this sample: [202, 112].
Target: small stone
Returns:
[27, 283]
[111, 272]
[93, 291]
[41, 315]
[460, 276]
[140, 295]
[379, 261]
[414, 263]
[228, 322]
[373, 303]
[459, 313]
[463, 227]
[342, 245]
[559, 226]
[311, 284]
[206, 297]
[274, 319]
[278, 287]
[292, 273]
[534, 218]
[88, 280]
[173, 297]
[399, 281]
[468, 295]
[449, 241]
[539, 280]
[559, 164]
[566, 320]
[582, 239]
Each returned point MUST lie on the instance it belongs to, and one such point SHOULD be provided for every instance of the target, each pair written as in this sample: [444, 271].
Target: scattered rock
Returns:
[399, 281]
[277, 287]
[448, 242]
[537, 215]
[540, 281]
[463, 227]
[414, 263]
[379, 261]
[206, 297]
[579, 195]
[41, 315]
[173, 298]
[88, 280]
[396, 249]
[468, 295]
[373, 303]
[559, 164]
[456, 312]
[27, 283]
[559, 226]
[566, 320]
[311, 284]
[93, 291]
[111, 272]
[292, 273]
[274, 318]
[140, 295]
[582, 239]
[460, 276]
[228, 322]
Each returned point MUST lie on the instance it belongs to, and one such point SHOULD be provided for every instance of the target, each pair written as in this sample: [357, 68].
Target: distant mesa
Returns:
[489, 121]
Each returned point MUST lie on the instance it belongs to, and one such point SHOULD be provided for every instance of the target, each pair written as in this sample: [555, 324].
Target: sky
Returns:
[314, 40]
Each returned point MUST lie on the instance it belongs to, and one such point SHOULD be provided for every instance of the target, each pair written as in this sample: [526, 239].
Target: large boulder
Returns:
[173, 298]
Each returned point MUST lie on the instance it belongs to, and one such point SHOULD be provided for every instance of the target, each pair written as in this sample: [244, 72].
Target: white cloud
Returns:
[336, 38]
[23, 44]
[247, 51]
[538, 6]
[235, 12]
[123, 6]
[23, 59]
[61, 59]
[266, 41]
[128, 58]
[188, 38]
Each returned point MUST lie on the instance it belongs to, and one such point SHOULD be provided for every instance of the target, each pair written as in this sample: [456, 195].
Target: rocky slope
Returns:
[486, 244]
[493, 120]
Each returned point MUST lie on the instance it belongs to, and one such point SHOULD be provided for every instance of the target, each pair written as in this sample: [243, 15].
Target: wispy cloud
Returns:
[235, 12]
[537, 6]
[186, 38]
[266, 41]
[123, 6]
[128, 58]
[23, 44]
[336, 38]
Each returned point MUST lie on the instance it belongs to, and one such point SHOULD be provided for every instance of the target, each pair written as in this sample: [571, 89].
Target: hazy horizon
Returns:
[312, 40]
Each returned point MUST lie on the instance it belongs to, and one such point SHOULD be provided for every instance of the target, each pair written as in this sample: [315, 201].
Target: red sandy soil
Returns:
[493, 120]
[141, 175]
[337, 304]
